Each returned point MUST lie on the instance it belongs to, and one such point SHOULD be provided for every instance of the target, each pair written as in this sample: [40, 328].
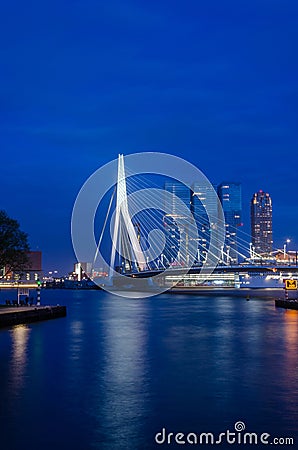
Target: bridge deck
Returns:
[220, 269]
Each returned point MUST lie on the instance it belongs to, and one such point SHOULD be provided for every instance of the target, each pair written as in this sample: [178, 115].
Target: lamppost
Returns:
[285, 248]
[52, 274]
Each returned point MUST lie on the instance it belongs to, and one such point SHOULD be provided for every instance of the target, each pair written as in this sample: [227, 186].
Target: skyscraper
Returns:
[180, 191]
[202, 196]
[176, 224]
[230, 197]
[261, 223]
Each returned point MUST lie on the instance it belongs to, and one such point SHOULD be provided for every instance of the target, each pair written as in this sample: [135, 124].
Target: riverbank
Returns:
[19, 315]
[287, 304]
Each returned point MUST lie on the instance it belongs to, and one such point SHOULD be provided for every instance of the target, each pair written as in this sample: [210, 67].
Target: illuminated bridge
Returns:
[145, 245]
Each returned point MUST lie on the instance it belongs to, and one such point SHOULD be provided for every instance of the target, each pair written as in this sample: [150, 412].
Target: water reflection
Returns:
[76, 339]
[291, 342]
[291, 331]
[123, 400]
[114, 372]
[20, 337]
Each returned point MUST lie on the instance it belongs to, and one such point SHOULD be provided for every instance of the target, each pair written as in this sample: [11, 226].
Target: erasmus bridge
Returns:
[154, 235]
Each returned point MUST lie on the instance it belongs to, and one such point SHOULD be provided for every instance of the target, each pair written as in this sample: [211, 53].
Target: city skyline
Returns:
[82, 83]
[231, 238]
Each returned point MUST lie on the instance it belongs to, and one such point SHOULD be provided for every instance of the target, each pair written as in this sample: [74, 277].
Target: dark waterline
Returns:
[115, 371]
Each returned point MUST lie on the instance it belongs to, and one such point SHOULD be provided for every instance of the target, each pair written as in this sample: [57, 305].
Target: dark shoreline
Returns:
[10, 316]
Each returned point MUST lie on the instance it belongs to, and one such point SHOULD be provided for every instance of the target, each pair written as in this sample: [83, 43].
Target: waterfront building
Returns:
[203, 196]
[176, 224]
[31, 273]
[261, 223]
[230, 196]
[82, 269]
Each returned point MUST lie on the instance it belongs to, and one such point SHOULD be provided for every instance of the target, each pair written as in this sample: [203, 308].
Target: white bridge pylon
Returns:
[123, 224]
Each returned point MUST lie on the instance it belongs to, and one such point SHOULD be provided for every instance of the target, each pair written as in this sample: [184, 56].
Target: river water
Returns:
[115, 372]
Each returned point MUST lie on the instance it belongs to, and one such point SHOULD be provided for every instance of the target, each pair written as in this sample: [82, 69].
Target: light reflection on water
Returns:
[19, 353]
[76, 339]
[291, 358]
[123, 376]
[115, 371]
[17, 363]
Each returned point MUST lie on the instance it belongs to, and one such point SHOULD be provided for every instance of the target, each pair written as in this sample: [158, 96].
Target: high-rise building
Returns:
[176, 224]
[203, 197]
[261, 223]
[180, 191]
[230, 197]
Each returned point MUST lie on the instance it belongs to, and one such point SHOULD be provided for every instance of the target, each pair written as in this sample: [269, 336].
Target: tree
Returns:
[14, 246]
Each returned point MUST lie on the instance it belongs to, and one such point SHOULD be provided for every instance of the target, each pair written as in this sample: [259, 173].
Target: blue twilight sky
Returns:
[80, 81]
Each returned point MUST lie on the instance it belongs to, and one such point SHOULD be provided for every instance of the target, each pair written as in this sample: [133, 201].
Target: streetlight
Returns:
[53, 273]
[285, 247]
